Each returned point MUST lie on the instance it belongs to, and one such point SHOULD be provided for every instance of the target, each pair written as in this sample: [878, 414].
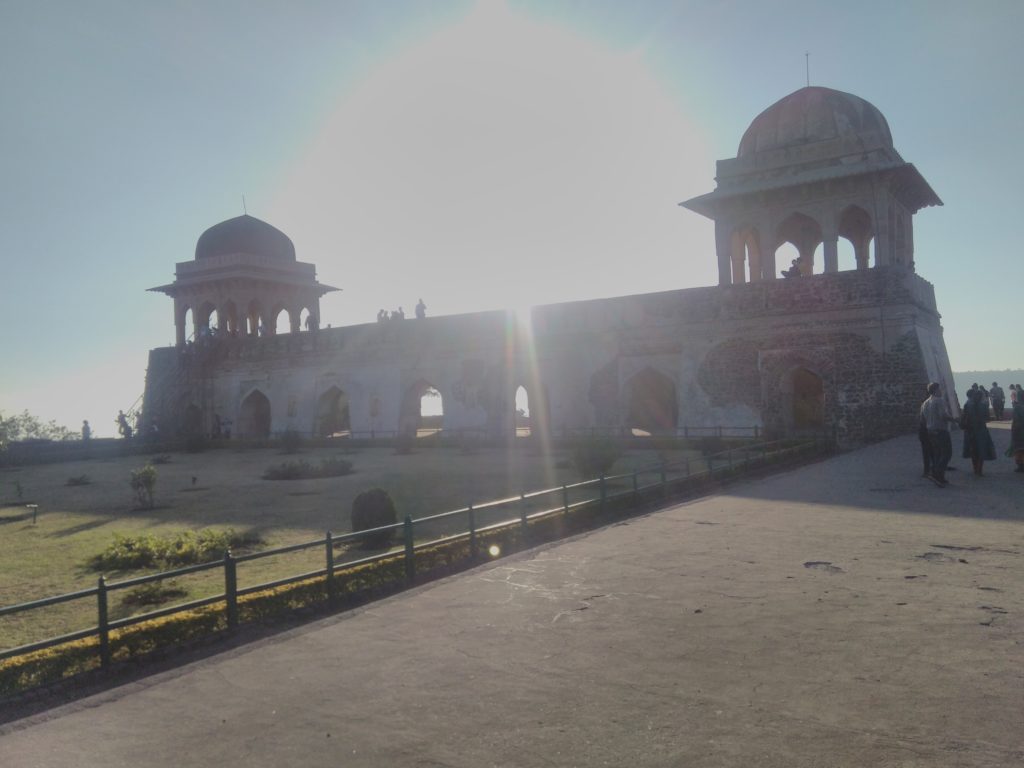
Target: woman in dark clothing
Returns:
[978, 445]
[1016, 449]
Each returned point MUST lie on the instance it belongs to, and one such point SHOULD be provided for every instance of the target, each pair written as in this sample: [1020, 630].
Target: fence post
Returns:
[329, 544]
[604, 492]
[472, 532]
[565, 499]
[410, 553]
[524, 523]
[231, 589]
[104, 626]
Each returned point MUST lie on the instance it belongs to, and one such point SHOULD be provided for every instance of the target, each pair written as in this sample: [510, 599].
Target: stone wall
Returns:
[729, 354]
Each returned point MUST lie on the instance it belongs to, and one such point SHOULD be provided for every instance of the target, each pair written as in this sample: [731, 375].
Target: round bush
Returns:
[373, 509]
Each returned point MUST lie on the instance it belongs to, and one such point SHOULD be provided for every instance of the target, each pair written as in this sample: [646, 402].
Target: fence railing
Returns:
[470, 522]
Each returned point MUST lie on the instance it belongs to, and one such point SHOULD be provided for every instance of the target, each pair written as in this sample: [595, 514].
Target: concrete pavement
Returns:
[846, 613]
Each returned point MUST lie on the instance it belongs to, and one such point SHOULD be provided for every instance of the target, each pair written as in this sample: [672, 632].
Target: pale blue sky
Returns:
[479, 155]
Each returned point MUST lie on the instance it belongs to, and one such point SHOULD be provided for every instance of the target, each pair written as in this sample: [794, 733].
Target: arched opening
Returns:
[523, 422]
[746, 256]
[332, 417]
[279, 321]
[808, 400]
[855, 228]
[202, 319]
[188, 322]
[804, 233]
[653, 406]
[307, 320]
[422, 410]
[786, 257]
[192, 421]
[254, 417]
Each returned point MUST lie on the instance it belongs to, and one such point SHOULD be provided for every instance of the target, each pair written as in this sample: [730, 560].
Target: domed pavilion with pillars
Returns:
[816, 166]
[245, 272]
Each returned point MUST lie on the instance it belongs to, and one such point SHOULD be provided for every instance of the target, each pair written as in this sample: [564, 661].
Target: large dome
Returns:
[815, 114]
[248, 235]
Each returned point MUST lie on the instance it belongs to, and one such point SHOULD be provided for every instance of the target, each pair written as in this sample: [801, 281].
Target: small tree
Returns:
[143, 482]
[374, 509]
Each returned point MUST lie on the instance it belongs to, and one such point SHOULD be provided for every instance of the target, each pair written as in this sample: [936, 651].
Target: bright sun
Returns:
[501, 162]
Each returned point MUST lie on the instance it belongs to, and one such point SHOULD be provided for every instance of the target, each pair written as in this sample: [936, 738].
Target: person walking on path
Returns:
[935, 412]
[978, 445]
[1016, 449]
[927, 457]
[998, 401]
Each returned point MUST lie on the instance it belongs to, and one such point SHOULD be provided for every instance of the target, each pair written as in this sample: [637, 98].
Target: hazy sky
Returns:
[477, 154]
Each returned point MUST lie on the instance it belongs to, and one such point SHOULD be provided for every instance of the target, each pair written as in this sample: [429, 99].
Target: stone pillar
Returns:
[723, 246]
[861, 248]
[831, 249]
[294, 318]
[179, 323]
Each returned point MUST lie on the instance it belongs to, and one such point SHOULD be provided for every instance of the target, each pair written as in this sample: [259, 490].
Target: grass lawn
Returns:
[223, 489]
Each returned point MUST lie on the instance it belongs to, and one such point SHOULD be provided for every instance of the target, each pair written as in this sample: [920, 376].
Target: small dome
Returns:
[248, 235]
[816, 114]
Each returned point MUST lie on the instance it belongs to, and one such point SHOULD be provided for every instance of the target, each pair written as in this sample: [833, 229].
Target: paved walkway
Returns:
[846, 613]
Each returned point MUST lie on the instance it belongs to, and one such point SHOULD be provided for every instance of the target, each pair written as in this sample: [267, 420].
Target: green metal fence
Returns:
[470, 523]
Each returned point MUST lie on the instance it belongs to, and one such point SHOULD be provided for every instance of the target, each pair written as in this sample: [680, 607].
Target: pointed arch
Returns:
[422, 410]
[332, 413]
[254, 417]
[806, 390]
[856, 227]
[803, 233]
[653, 404]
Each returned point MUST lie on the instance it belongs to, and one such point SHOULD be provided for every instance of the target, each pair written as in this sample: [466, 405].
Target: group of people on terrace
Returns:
[978, 409]
[384, 316]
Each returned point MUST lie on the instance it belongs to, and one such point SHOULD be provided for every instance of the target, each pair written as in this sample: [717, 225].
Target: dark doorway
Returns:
[653, 407]
[332, 419]
[254, 417]
[808, 400]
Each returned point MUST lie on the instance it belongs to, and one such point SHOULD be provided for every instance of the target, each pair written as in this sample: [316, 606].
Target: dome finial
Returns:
[807, 66]
[244, 209]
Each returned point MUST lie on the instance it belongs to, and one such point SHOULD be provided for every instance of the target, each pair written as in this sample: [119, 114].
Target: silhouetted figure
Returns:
[793, 271]
[86, 431]
[123, 427]
[998, 400]
[421, 310]
[398, 314]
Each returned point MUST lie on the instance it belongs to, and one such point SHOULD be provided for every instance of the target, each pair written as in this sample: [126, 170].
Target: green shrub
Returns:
[127, 553]
[143, 482]
[593, 457]
[333, 466]
[78, 480]
[373, 509]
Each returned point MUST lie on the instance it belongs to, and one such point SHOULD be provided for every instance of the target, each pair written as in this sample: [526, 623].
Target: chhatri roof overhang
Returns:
[248, 249]
[814, 135]
[905, 180]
